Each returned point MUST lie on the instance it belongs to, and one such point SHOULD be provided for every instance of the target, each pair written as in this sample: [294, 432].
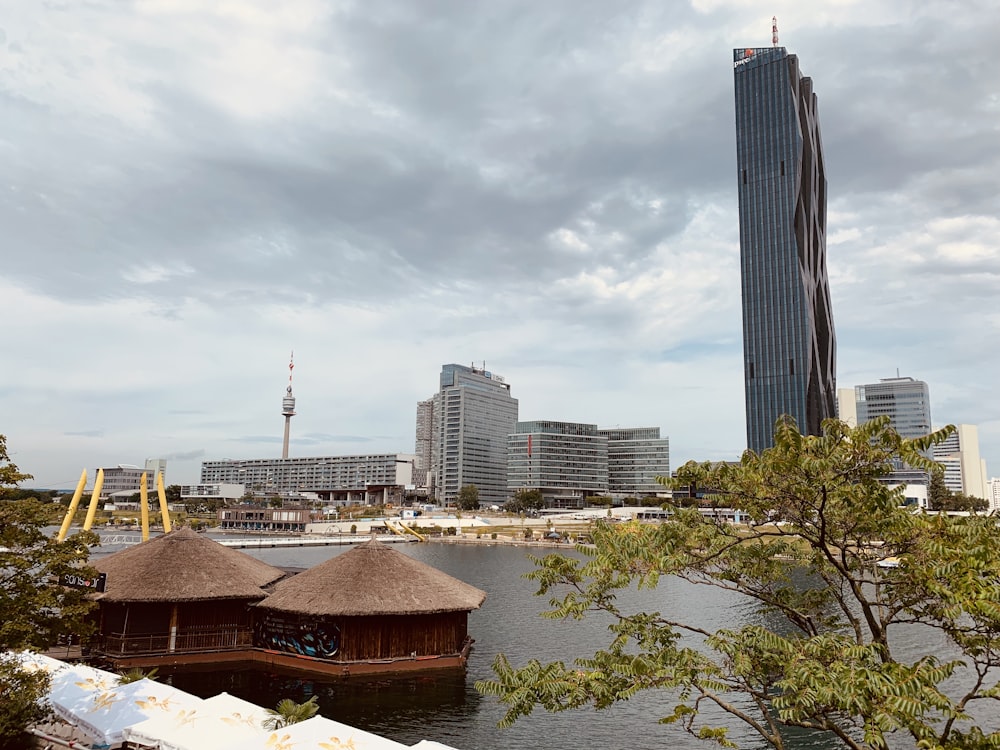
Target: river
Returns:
[446, 706]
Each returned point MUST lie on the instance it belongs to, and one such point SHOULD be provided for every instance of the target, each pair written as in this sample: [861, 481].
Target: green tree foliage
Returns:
[939, 497]
[468, 498]
[34, 610]
[20, 707]
[289, 712]
[830, 662]
[525, 500]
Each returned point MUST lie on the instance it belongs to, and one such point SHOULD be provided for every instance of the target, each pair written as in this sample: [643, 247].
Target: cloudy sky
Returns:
[190, 190]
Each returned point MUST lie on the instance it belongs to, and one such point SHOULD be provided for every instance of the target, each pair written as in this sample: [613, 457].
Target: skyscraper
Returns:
[789, 347]
[473, 413]
[906, 401]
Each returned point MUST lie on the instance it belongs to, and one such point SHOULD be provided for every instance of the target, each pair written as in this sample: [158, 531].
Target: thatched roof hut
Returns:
[372, 579]
[371, 608]
[183, 566]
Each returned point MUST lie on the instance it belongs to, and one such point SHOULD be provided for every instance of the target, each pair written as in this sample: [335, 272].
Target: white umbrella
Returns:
[319, 733]
[221, 721]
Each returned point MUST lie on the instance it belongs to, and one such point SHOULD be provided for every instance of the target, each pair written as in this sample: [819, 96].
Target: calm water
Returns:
[446, 706]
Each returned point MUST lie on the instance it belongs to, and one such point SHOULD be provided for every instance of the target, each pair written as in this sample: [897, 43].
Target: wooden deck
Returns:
[287, 661]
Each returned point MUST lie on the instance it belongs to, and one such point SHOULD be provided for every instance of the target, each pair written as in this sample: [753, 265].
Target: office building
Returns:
[907, 403]
[566, 461]
[964, 469]
[789, 346]
[473, 413]
[424, 442]
[368, 479]
[993, 495]
[636, 457]
[125, 479]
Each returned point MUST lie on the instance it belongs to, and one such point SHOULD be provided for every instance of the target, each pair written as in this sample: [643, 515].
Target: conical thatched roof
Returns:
[373, 579]
[183, 566]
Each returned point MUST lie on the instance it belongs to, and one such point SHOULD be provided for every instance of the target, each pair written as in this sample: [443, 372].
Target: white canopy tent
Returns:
[319, 733]
[156, 715]
[221, 721]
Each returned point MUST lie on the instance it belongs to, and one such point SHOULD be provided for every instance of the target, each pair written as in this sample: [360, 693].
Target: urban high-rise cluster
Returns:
[468, 431]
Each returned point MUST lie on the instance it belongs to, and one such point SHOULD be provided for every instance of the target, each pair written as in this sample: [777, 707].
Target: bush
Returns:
[354, 528]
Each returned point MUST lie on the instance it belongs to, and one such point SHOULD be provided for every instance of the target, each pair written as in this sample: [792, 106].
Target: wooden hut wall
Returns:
[398, 636]
[213, 615]
[362, 638]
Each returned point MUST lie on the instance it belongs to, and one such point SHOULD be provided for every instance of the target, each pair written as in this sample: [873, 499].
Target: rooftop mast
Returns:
[774, 31]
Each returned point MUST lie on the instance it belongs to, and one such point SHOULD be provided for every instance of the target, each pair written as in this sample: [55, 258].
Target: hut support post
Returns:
[71, 511]
[172, 646]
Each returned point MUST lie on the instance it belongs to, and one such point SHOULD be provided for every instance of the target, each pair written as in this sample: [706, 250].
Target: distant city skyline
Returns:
[192, 191]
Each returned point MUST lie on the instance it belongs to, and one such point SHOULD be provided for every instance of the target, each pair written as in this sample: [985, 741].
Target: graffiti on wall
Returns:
[308, 638]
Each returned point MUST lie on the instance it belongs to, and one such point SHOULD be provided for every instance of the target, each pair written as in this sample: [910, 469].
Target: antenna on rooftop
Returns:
[774, 31]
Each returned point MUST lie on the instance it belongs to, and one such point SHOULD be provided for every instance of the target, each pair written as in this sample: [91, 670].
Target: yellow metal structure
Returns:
[144, 507]
[92, 509]
[64, 529]
[164, 513]
[407, 529]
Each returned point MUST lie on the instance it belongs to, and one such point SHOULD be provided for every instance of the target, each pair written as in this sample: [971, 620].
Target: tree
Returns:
[525, 500]
[289, 712]
[937, 492]
[468, 498]
[20, 704]
[35, 611]
[831, 662]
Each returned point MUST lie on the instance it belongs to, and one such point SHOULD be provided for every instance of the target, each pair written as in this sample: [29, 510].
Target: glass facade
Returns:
[566, 461]
[789, 347]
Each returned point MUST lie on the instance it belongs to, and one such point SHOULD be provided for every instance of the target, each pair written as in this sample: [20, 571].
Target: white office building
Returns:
[566, 461]
[964, 469]
[126, 479]
[636, 457]
[472, 414]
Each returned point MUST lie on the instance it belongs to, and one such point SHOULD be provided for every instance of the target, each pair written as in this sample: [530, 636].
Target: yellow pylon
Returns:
[164, 512]
[144, 507]
[64, 529]
[92, 508]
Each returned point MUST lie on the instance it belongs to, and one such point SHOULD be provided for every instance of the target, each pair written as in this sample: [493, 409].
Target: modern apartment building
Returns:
[789, 346]
[472, 415]
[566, 461]
[964, 469]
[636, 457]
[368, 479]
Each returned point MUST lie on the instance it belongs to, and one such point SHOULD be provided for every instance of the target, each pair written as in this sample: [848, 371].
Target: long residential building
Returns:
[367, 479]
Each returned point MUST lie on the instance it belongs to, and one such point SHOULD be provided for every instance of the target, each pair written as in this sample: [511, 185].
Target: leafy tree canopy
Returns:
[525, 500]
[831, 662]
[468, 498]
[34, 610]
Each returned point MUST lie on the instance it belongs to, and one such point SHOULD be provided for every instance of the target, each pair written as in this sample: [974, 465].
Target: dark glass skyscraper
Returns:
[789, 347]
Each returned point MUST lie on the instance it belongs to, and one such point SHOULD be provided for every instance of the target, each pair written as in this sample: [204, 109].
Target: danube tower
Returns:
[789, 347]
[288, 407]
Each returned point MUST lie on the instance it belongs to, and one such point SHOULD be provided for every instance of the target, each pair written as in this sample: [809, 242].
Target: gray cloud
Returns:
[388, 187]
